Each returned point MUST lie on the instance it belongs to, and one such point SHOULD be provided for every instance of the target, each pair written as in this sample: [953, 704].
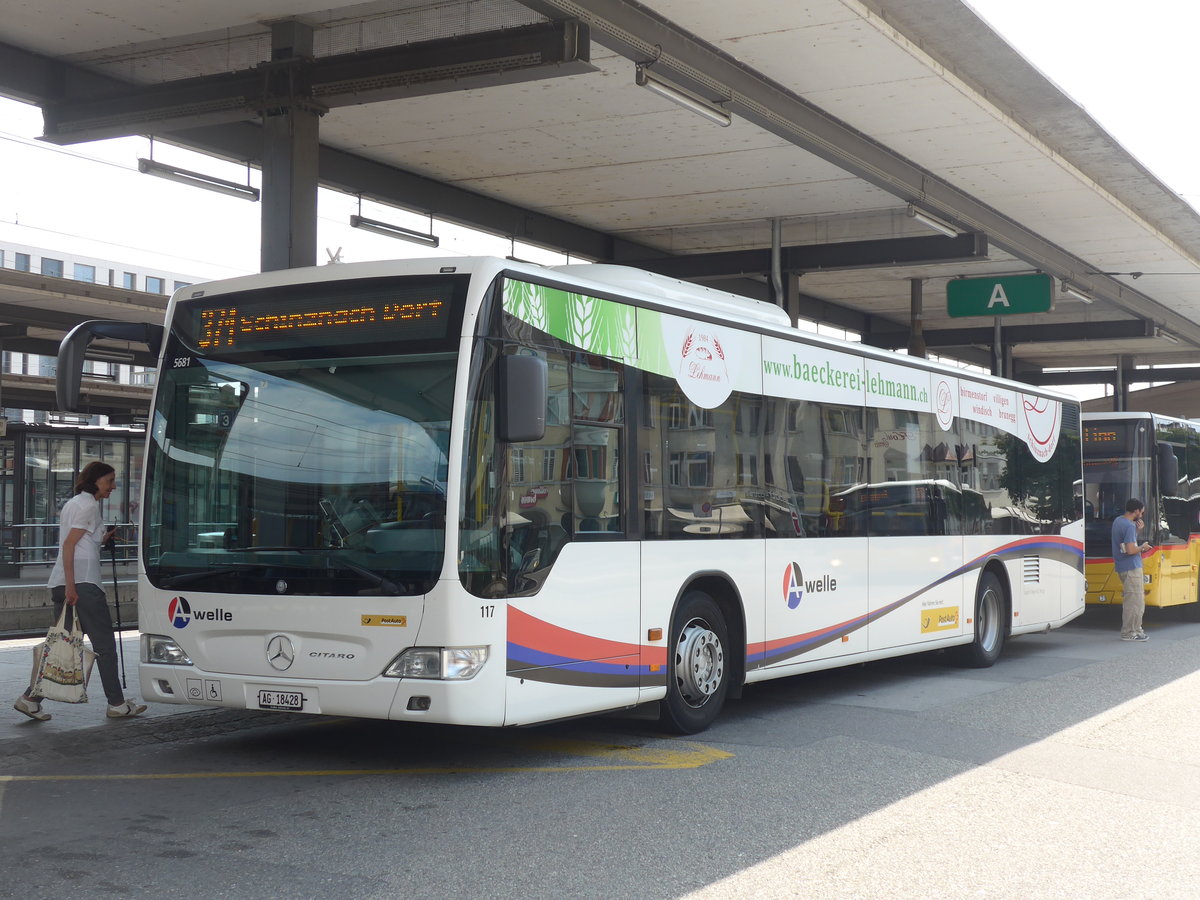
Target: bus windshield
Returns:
[1109, 482]
[316, 476]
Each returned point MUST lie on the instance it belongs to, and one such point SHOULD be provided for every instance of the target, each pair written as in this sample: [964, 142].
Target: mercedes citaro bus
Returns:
[481, 492]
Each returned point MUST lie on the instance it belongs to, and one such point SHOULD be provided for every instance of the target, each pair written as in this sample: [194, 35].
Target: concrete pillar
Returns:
[916, 328]
[291, 137]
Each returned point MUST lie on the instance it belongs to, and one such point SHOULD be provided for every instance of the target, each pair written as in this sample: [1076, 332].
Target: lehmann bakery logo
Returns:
[702, 369]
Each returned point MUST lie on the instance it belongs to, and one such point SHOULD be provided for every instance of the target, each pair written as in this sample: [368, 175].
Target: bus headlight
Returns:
[158, 648]
[446, 663]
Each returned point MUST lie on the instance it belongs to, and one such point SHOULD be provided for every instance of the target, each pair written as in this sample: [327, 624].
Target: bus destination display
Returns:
[1110, 436]
[280, 321]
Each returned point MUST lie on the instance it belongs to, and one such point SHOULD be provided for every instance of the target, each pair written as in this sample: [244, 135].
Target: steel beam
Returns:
[839, 255]
[528, 53]
[1114, 376]
[984, 335]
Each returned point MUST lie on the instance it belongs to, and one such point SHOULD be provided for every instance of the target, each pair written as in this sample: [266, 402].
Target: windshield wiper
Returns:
[380, 581]
[375, 578]
[193, 577]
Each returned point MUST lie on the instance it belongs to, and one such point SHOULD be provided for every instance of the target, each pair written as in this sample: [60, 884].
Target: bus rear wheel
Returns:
[990, 621]
[698, 667]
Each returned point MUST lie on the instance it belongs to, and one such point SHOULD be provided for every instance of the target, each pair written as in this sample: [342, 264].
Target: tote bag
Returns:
[61, 664]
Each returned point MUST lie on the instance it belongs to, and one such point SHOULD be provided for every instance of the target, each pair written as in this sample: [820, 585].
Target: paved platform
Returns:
[16, 665]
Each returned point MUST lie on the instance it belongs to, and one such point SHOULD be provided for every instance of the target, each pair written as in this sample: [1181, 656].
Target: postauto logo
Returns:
[793, 585]
[180, 612]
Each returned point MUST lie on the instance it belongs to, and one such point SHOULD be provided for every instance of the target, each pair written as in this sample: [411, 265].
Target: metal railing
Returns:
[37, 545]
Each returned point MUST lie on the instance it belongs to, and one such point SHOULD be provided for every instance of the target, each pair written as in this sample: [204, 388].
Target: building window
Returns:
[130, 281]
[85, 273]
[155, 285]
[747, 469]
[181, 284]
[52, 267]
[21, 262]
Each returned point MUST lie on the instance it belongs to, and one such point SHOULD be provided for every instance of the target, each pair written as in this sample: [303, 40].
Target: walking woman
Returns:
[75, 580]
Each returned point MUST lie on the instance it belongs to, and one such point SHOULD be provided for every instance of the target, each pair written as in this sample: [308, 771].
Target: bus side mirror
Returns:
[522, 399]
[73, 350]
[1168, 470]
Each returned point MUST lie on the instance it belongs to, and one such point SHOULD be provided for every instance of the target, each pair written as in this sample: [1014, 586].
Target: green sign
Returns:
[1005, 296]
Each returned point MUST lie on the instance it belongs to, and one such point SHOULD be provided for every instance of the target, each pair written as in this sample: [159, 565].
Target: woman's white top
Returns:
[81, 511]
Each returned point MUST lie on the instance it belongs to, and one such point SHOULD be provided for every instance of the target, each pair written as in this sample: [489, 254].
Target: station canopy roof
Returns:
[527, 119]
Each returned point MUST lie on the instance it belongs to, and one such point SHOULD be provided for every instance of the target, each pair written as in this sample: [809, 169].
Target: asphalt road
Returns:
[1067, 770]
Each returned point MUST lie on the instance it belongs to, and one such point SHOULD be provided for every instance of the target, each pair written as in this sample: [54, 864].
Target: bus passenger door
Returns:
[573, 648]
[919, 590]
[573, 612]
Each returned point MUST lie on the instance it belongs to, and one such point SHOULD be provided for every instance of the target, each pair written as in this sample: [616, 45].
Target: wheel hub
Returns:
[699, 663]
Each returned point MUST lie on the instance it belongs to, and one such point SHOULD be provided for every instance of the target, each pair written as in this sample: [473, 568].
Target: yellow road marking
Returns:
[644, 757]
[635, 758]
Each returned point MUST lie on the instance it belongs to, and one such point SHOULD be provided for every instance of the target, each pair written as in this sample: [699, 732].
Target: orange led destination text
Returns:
[221, 327]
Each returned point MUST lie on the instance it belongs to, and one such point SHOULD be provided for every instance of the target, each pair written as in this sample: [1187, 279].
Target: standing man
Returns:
[1127, 560]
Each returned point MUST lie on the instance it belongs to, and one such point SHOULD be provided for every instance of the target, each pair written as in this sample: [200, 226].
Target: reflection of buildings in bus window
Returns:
[747, 468]
[841, 421]
[748, 416]
[596, 392]
[550, 464]
[693, 469]
[516, 460]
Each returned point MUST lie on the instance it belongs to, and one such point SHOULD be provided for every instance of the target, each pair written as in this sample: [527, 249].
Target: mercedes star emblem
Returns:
[280, 653]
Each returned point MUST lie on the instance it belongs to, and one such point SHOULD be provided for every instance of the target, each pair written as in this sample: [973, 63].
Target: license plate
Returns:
[288, 700]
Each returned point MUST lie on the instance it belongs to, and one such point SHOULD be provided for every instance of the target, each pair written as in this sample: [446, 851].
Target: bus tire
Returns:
[990, 622]
[698, 665]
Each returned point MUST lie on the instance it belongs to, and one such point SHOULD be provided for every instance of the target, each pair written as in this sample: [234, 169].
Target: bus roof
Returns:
[636, 284]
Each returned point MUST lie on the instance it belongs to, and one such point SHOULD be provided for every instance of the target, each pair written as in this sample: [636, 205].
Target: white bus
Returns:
[479, 492]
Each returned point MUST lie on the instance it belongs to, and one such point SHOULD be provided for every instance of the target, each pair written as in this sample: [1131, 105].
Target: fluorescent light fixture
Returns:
[198, 179]
[110, 356]
[939, 225]
[682, 97]
[389, 230]
[1166, 336]
[1079, 294]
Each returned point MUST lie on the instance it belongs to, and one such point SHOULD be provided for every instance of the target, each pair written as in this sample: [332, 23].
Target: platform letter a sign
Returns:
[998, 296]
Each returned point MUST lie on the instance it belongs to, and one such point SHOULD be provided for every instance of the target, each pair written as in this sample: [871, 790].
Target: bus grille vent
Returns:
[1033, 569]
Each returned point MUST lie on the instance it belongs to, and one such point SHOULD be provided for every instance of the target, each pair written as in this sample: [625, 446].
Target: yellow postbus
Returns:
[1156, 459]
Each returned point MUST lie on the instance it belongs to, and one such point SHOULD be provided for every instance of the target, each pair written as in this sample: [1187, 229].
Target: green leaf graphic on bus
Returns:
[525, 302]
[589, 323]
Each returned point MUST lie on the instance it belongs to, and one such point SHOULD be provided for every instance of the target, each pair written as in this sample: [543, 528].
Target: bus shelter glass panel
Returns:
[137, 454]
[49, 483]
[111, 451]
[8, 499]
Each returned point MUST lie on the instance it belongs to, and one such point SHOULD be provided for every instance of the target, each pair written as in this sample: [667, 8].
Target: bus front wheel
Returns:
[698, 665]
[990, 622]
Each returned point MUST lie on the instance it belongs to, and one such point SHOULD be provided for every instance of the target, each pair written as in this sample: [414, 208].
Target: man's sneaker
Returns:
[126, 710]
[1129, 637]
[31, 708]
[1141, 637]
